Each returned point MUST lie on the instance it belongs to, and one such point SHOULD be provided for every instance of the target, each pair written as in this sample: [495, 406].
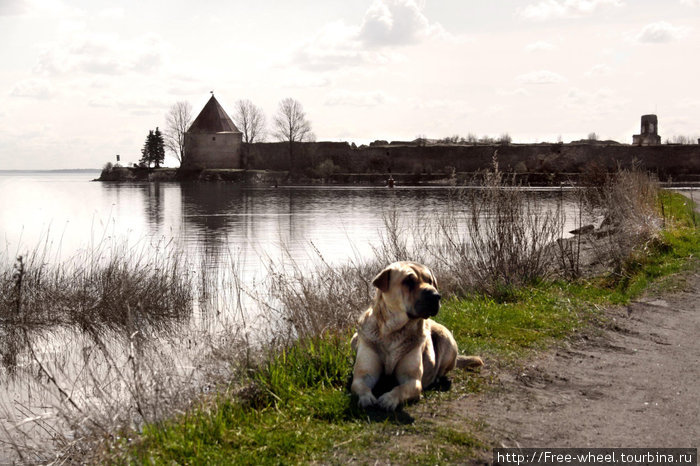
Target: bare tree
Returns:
[291, 125]
[177, 121]
[680, 139]
[250, 119]
[290, 122]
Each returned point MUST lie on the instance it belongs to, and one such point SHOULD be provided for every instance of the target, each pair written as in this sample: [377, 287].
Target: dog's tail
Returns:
[469, 363]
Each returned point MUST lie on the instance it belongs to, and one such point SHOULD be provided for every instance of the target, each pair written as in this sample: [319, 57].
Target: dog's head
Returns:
[409, 287]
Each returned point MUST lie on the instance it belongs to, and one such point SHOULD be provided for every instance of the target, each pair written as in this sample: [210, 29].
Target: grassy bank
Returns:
[294, 406]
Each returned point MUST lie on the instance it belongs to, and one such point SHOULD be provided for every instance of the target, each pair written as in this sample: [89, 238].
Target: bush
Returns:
[504, 139]
[497, 238]
[106, 170]
[628, 203]
[326, 169]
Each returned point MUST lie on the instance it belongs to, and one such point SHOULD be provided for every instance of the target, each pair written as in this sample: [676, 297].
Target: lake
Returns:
[215, 224]
[70, 212]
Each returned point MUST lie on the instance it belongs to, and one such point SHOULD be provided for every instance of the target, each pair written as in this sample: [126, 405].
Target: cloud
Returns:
[13, 7]
[335, 45]
[387, 24]
[540, 77]
[592, 104]
[33, 88]
[112, 13]
[102, 55]
[306, 81]
[132, 105]
[517, 92]
[659, 33]
[553, 9]
[56, 10]
[598, 70]
[102, 101]
[458, 107]
[395, 22]
[356, 99]
[539, 46]
[690, 2]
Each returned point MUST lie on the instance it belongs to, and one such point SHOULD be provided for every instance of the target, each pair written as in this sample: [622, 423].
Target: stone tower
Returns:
[649, 134]
[213, 141]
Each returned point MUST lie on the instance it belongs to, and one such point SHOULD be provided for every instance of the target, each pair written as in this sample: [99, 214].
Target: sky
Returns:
[84, 80]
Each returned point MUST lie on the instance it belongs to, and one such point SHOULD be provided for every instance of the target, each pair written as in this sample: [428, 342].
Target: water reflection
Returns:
[153, 197]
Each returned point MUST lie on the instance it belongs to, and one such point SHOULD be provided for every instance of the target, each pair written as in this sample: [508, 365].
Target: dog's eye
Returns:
[410, 282]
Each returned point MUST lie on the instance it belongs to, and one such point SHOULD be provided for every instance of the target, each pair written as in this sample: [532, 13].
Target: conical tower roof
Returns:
[213, 119]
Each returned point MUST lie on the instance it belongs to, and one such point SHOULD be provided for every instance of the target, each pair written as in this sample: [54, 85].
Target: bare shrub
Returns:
[504, 139]
[682, 139]
[496, 238]
[395, 242]
[628, 204]
[569, 251]
[312, 299]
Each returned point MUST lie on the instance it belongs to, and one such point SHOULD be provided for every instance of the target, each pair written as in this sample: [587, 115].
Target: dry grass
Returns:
[105, 342]
[497, 238]
[628, 201]
[101, 288]
[303, 301]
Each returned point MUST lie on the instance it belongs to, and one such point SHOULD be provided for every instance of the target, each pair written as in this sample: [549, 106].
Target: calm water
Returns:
[215, 219]
[72, 213]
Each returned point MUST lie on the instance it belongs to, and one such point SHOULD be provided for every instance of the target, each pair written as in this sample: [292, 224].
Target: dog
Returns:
[396, 337]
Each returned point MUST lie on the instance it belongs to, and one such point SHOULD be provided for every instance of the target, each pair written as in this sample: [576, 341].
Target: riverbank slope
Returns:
[298, 410]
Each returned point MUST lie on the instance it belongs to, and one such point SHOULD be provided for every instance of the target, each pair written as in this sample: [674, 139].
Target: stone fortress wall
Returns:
[668, 161]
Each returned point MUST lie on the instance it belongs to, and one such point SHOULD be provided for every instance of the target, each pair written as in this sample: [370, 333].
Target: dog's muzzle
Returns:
[427, 305]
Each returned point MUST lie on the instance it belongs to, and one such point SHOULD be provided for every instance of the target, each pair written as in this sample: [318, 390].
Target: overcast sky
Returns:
[81, 81]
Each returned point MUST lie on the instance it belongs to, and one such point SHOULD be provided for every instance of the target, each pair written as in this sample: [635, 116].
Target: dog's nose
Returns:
[431, 299]
[431, 296]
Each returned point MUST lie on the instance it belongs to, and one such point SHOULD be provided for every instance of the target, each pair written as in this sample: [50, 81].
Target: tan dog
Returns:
[396, 337]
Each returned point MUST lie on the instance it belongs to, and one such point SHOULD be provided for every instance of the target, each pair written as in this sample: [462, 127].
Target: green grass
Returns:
[297, 408]
[529, 320]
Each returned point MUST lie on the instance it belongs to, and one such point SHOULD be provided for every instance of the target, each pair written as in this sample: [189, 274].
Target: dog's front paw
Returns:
[389, 401]
[367, 400]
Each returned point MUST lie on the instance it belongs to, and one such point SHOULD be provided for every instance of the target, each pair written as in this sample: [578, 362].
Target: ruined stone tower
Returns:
[649, 133]
[213, 141]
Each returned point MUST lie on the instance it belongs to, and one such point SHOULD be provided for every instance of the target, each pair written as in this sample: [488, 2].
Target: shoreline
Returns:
[279, 178]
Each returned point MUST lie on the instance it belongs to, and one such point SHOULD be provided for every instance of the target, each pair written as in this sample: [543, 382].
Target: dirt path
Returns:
[636, 385]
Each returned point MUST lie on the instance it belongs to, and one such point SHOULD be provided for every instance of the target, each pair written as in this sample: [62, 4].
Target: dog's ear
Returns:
[381, 281]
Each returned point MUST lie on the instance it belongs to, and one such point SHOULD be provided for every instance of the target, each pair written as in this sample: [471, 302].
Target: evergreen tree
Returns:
[153, 151]
[147, 151]
[158, 148]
